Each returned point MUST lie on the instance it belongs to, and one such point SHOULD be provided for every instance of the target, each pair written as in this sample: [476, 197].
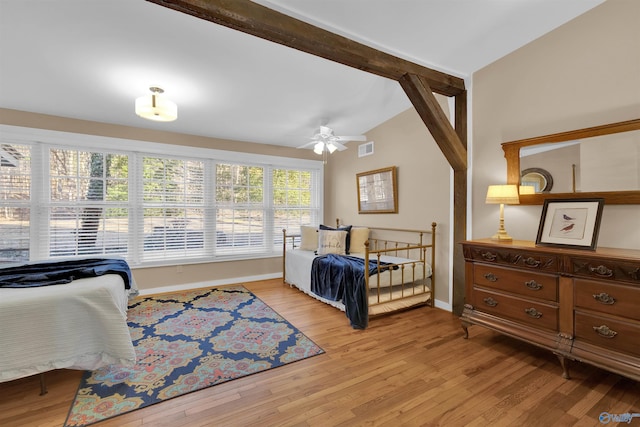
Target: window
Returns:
[173, 208]
[240, 209]
[294, 200]
[88, 203]
[156, 205]
[15, 202]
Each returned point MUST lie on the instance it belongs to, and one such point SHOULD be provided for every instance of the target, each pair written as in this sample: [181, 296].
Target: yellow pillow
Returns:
[308, 238]
[359, 236]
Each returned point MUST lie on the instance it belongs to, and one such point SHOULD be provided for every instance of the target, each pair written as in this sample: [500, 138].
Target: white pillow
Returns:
[332, 242]
[359, 236]
[308, 238]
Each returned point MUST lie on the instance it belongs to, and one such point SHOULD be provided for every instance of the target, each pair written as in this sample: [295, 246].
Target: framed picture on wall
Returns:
[378, 191]
[571, 223]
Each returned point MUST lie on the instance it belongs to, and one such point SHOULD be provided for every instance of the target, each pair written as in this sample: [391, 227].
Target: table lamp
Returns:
[502, 194]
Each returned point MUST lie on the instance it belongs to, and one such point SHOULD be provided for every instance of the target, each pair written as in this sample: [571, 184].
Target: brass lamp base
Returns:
[502, 236]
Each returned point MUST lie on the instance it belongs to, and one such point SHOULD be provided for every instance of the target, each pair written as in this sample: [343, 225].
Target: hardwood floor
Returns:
[409, 368]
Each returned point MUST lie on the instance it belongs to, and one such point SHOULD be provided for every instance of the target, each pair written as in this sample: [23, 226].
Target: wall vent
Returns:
[365, 149]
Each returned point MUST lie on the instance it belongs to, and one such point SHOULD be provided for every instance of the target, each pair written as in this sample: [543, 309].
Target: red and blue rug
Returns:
[185, 342]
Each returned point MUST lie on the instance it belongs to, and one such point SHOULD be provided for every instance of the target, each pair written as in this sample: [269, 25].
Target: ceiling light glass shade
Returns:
[331, 147]
[156, 107]
[318, 148]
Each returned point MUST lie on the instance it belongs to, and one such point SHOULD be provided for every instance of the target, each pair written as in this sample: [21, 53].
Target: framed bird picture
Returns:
[571, 223]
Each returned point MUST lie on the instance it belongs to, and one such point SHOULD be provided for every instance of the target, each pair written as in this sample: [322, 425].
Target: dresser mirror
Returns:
[601, 161]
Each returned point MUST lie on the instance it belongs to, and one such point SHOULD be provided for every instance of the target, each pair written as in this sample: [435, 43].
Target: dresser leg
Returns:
[465, 328]
[565, 367]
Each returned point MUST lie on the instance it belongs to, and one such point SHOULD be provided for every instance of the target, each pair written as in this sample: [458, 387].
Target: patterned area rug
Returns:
[185, 342]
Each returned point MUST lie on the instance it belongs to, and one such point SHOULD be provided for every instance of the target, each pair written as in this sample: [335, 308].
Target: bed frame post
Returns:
[43, 384]
[284, 254]
[433, 263]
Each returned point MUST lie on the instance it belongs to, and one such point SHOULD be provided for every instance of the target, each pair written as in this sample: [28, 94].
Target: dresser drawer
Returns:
[526, 283]
[608, 298]
[607, 332]
[512, 257]
[610, 269]
[533, 313]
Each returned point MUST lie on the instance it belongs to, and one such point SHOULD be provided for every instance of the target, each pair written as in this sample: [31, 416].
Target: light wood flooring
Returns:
[411, 368]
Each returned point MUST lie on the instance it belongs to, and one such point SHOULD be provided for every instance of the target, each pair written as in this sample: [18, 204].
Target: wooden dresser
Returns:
[582, 305]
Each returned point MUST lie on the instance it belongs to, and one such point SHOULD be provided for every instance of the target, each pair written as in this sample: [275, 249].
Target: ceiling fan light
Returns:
[318, 148]
[331, 147]
[156, 107]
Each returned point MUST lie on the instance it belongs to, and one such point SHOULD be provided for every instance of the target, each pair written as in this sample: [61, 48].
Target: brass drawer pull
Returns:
[531, 262]
[491, 277]
[490, 302]
[604, 298]
[604, 331]
[601, 270]
[532, 312]
[533, 285]
[489, 256]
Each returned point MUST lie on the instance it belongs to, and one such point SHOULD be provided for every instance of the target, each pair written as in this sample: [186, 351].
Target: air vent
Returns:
[365, 149]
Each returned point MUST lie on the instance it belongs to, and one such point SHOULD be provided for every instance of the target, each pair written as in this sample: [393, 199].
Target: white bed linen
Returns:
[298, 273]
[79, 325]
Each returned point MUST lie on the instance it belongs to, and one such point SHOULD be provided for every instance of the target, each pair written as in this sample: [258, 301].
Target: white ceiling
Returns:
[90, 59]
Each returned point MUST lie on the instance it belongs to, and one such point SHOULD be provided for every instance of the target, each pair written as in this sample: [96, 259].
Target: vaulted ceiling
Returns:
[91, 59]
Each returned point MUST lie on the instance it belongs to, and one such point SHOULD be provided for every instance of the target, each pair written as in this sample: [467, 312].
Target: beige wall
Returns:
[153, 277]
[585, 73]
[423, 185]
[403, 141]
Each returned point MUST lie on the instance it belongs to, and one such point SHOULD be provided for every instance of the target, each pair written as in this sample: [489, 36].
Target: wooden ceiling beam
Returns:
[426, 104]
[260, 21]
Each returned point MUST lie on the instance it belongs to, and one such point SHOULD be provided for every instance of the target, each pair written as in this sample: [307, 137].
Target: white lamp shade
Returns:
[503, 194]
[318, 148]
[331, 147]
[156, 107]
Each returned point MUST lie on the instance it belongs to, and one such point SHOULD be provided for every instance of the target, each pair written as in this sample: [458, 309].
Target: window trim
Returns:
[39, 137]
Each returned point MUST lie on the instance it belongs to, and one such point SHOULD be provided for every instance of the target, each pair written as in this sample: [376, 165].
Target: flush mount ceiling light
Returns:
[156, 107]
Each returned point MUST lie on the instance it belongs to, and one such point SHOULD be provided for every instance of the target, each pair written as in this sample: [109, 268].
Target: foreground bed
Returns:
[77, 325]
[401, 264]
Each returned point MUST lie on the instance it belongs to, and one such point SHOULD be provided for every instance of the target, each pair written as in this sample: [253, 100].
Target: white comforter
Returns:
[79, 325]
[298, 264]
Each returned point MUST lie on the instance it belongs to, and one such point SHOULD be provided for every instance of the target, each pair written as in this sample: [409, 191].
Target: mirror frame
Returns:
[512, 155]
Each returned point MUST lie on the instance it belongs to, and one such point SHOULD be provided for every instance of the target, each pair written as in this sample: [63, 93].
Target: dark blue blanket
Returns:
[341, 278]
[60, 272]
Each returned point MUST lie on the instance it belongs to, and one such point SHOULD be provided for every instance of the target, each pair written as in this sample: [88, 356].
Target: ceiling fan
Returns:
[324, 141]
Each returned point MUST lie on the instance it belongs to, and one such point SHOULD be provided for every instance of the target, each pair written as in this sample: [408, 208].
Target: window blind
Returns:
[154, 208]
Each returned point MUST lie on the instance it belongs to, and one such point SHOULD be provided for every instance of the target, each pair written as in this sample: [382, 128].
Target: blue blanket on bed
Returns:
[61, 272]
[341, 278]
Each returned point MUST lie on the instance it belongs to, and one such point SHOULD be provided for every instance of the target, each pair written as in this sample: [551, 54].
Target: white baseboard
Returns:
[207, 284]
[443, 305]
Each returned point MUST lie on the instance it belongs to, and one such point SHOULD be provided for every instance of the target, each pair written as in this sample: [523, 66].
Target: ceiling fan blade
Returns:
[339, 146]
[308, 144]
[352, 138]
